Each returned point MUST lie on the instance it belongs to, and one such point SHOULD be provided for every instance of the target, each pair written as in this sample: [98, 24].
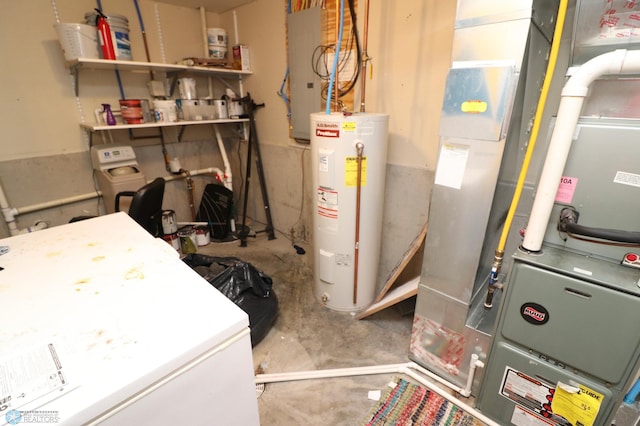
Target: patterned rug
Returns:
[409, 404]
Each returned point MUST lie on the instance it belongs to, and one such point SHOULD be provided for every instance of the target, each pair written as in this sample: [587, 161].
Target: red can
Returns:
[131, 110]
[172, 239]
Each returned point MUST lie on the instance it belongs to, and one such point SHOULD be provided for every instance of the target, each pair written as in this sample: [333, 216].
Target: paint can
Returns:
[188, 241]
[169, 224]
[202, 235]
[131, 111]
[217, 39]
[173, 239]
[119, 26]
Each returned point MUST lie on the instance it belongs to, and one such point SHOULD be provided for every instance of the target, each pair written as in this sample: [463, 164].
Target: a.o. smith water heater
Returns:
[349, 159]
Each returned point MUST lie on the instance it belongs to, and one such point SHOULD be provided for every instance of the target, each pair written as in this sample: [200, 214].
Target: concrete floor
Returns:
[307, 336]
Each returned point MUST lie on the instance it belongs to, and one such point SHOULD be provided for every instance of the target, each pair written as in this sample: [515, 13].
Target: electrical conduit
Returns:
[533, 137]
[572, 97]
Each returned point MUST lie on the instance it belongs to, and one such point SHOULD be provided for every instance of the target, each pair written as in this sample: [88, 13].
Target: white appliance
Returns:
[104, 324]
[348, 208]
[116, 170]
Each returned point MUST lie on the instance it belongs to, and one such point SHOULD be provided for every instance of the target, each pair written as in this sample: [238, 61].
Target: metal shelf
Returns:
[100, 127]
[103, 64]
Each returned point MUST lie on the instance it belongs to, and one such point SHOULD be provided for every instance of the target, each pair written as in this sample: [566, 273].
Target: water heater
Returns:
[349, 159]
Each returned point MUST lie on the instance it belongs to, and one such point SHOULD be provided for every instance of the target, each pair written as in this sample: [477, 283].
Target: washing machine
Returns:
[116, 170]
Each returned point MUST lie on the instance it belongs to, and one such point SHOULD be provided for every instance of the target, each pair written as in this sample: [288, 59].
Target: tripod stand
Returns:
[253, 144]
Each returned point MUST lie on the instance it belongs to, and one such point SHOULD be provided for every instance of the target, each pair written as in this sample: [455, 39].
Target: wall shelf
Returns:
[100, 127]
[133, 66]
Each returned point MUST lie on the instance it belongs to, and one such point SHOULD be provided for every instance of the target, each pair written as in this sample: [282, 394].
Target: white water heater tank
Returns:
[343, 234]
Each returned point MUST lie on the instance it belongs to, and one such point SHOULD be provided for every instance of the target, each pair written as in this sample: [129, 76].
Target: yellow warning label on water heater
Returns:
[349, 126]
[474, 107]
[351, 171]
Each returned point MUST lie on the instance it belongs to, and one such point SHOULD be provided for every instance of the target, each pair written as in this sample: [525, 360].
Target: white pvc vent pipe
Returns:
[411, 369]
[572, 97]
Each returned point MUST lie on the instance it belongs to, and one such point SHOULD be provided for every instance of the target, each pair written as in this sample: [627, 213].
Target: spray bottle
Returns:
[110, 119]
[104, 33]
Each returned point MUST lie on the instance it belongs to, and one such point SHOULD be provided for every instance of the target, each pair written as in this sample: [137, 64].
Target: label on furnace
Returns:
[566, 189]
[527, 392]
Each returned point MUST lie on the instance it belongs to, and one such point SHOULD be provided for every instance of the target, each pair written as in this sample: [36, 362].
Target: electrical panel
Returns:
[304, 29]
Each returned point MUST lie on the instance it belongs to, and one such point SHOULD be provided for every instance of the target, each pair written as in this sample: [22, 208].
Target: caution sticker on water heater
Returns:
[327, 202]
[351, 171]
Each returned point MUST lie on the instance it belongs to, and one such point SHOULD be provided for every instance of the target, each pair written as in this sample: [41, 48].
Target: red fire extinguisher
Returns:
[104, 33]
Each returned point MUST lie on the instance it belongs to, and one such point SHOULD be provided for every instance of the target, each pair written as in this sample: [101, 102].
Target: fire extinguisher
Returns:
[104, 33]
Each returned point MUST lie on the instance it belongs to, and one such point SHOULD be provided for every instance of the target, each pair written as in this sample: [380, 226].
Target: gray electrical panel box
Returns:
[305, 86]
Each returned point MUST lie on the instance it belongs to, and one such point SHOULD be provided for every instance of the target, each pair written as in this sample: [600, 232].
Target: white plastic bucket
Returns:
[217, 39]
[217, 36]
[119, 33]
[165, 111]
[217, 52]
[78, 41]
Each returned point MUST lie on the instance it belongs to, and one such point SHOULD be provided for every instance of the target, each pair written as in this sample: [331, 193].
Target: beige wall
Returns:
[43, 148]
[409, 42]
[410, 46]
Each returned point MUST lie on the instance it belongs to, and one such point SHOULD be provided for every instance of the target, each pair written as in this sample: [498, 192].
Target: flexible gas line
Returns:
[551, 65]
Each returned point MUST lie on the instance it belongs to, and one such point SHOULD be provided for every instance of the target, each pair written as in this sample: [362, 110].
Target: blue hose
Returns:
[135, 2]
[283, 95]
[335, 59]
[631, 396]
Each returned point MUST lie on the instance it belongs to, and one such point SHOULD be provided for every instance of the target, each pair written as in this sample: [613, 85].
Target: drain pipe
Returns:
[9, 213]
[410, 369]
[572, 98]
[227, 177]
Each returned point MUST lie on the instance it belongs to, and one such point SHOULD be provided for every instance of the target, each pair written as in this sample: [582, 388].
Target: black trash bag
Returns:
[244, 285]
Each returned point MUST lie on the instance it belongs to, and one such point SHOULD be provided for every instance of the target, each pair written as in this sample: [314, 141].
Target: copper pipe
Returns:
[360, 149]
[365, 57]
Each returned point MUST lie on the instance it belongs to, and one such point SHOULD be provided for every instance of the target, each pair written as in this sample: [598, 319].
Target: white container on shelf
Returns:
[165, 111]
[78, 40]
[119, 33]
[218, 42]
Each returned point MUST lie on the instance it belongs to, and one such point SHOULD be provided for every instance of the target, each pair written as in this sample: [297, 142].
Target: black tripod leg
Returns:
[244, 232]
[263, 186]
